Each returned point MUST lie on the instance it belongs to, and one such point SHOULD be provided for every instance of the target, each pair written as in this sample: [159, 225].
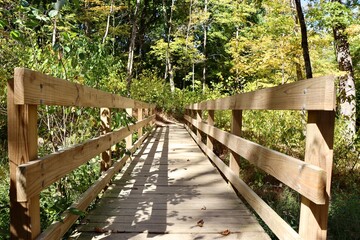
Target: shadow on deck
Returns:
[170, 190]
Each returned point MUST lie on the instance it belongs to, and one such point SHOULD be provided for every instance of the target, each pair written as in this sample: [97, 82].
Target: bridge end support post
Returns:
[22, 148]
[319, 151]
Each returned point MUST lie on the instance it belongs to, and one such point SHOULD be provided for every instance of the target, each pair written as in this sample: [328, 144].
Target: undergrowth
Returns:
[284, 131]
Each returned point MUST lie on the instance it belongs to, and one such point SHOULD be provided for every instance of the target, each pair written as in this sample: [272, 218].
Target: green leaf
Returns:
[2, 24]
[76, 211]
[16, 35]
[76, 2]
[67, 49]
[53, 13]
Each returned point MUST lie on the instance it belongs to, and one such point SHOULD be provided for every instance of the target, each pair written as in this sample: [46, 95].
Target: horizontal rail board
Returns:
[311, 94]
[305, 178]
[281, 229]
[36, 88]
[58, 229]
[34, 176]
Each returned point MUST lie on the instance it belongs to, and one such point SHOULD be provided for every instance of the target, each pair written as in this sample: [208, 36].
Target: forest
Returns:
[175, 52]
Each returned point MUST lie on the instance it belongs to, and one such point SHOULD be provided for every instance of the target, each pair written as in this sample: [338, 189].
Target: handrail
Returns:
[311, 94]
[29, 175]
[311, 178]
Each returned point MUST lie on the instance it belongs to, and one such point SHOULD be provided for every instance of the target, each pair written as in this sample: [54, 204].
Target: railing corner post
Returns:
[319, 152]
[22, 148]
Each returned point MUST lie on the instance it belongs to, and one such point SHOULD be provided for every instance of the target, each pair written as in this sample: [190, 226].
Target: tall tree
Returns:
[347, 81]
[168, 66]
[205, 25]
[108, 21]
[304, 39]
[132, 47]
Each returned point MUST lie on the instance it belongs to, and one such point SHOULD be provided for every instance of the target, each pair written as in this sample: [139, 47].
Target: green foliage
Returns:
[250, 45]
[57, 198]
[330, 14]
[344, 215]
[4, 199]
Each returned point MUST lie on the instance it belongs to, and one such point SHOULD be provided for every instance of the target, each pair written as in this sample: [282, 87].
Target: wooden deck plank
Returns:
[191, 236]
[162, 194]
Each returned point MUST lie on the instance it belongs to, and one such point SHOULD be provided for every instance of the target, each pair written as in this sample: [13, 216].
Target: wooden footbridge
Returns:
[173, 186]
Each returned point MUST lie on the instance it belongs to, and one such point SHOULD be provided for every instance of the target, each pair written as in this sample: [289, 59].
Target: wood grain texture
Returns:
[165, 191]
[199, 120]
[58, 229]
[305, 178]
[318, 151]
[139, 118]
[22, 148]
[210, 121]
[32, 87]
[311, 94]
[129, 138]
[236, 125]
[34, 176]
[174, 236]
[281, 229]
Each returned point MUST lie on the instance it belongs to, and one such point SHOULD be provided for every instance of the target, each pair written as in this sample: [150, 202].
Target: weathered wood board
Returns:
[163, 194]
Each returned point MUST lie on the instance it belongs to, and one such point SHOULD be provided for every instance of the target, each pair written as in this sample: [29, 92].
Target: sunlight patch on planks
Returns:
[164, 192]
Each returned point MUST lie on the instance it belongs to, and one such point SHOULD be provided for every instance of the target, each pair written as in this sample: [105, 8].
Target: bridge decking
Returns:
[165, 191]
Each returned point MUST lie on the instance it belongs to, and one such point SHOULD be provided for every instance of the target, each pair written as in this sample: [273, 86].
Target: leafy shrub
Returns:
[4, 198]
[344, 218]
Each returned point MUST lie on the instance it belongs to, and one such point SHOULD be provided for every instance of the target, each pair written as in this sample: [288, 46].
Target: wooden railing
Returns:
[311, 177]
[29, 175]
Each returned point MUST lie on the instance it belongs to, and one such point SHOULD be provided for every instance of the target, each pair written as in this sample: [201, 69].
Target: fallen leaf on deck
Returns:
[203, 208]
[99, 230]
[225, 232]
[200, 223]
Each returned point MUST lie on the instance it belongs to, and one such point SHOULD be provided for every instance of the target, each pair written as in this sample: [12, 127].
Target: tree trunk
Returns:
[169, 67]
[347, 82]
[304, 41]
[187, 40]
[108, 21]
[204, 44]
[132, 48]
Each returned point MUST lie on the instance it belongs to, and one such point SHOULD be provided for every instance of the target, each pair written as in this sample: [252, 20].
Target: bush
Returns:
[344, 214]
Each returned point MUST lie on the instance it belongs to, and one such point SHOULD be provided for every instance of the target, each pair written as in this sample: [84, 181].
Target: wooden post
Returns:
[129, 138]
[22, 148]
[198, 120]
[105, 117]
[193, 116]
[319, 151]
[236, 124]
[140, 117]
[210, 121]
